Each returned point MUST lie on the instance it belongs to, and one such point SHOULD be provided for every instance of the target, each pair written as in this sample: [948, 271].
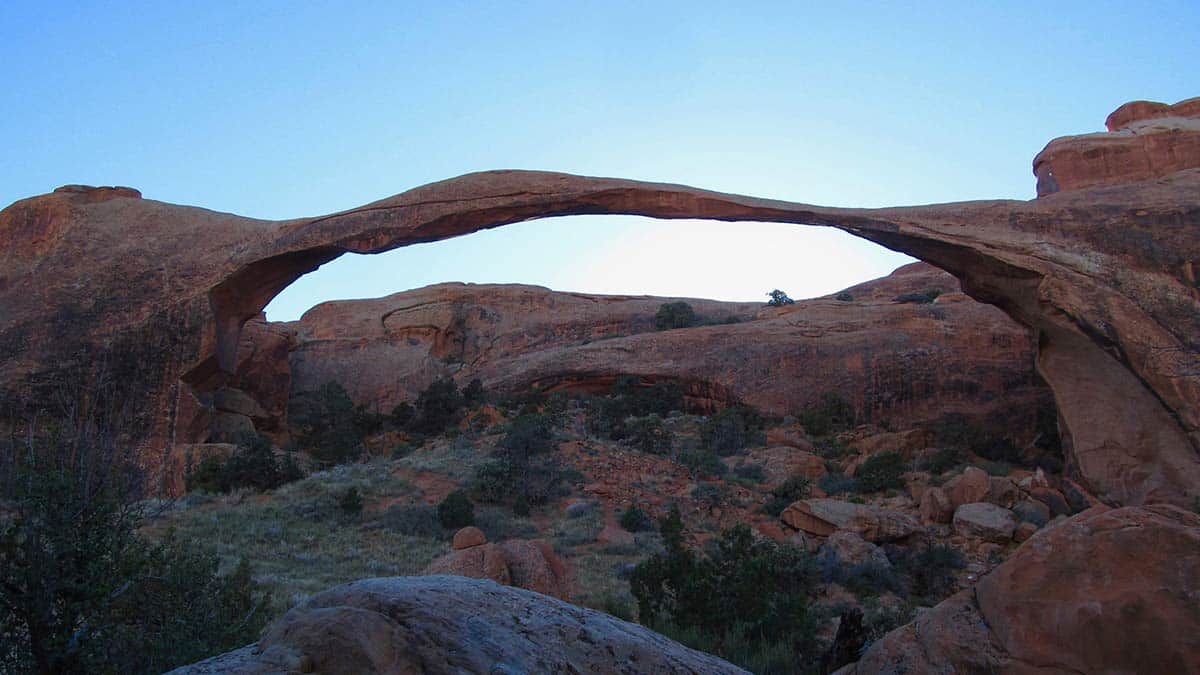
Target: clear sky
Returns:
[286, 109]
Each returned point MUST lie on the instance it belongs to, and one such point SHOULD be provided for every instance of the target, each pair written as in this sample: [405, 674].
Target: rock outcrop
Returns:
[1108, 591]
[824, 517]
[102, 288]
[529, 564]
[442, 625]
[891, 361]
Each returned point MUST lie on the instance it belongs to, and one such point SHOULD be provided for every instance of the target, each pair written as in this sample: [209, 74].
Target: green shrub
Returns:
[520, 506]
[942, 460]
[932, 570]
[702, 463]
[673, 315]
[473, 394]
[253, 465]
[828, 416]
[871, 578]
[607, 415]
[830, 447]
[834, 483]
[82, 591]
[844, 297]
[437, 408]
[711, 494]
[923, 298]
[351, 502]
[747, 596]
[634, 519]
[528, 435]
[649, 435]
[456, 511]
[881, 472]
[325, 423]
[749, 472]
[787, 493]
[732, 429]
[502, 480]
[779, 299]
[415, 520]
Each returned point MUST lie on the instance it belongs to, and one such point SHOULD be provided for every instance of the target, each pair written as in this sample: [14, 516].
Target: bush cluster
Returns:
[253, 465]
[881, 472]
[748, 596]
[673, 315]
[608, 416]
[786, 493]
[326, 423]
[923, 298]
[633, 519]
[828, 416]
[456, 511]
[732, 429]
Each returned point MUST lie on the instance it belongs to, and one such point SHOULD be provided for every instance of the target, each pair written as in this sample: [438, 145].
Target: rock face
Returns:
[525, 564]
[891, 360]
[1108, 591]
[985, 521]
[103, 289]
[824, 517]
[1145, 140]
[442, 625]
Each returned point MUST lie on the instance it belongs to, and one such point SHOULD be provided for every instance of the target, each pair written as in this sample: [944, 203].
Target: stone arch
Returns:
[1120, 366]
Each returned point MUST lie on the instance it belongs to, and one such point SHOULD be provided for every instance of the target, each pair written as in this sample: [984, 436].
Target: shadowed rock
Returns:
[446, 624]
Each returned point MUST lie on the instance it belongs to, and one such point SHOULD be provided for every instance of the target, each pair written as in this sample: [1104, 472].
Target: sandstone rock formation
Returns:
[101, 287]
[985, 521]
[824, 517]
[1108, 591]
[532, 565]
[442, 625]
[892, 361]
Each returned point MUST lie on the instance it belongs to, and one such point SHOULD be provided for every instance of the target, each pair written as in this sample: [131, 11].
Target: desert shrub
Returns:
[351, 502]
[607, 415]
[674, 315]
[528, 435]
[881, 472]
[634, 519]
[872, 578]
[829, 415]
[732, 429]
[81, 590]
[520, 506]
[998, 450]
[649, 435]
[931, 570]
[844, 297]
[711, 494]
[779, 299]
[501, 480]
[437, 408]
[415, 520]
[325, 423]
[923, 298]
[786, 493]
[749, 472]
[830, 447]
[702, 463]
[747, 596]
[456, 511]
[942, 460]
[403, 414]
[473, 393]
[880, 619]
[834, 483]
[253, 465]
[500, 523]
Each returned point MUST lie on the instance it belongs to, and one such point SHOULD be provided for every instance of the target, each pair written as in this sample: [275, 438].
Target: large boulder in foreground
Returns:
[1108, 591]
[446, 624]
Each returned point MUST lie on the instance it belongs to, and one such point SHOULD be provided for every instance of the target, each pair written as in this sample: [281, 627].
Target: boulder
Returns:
[1024, 531]
[1002, 491]
[442, 625]
[823, 517]
[851, 549]
[1108, 591]
[1053, 499]
[972, 485]
[985, 521]
[936, 506]
[1031, 511]
[467, 537]
[529, 564]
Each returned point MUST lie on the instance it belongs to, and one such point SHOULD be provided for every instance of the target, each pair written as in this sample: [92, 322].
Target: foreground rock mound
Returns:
[444, 624]
[1109, 591]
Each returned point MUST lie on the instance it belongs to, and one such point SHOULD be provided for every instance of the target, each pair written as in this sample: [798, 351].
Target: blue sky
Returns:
[278, 110]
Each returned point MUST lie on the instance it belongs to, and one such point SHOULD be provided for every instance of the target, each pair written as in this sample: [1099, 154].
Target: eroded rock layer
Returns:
[103, 289]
